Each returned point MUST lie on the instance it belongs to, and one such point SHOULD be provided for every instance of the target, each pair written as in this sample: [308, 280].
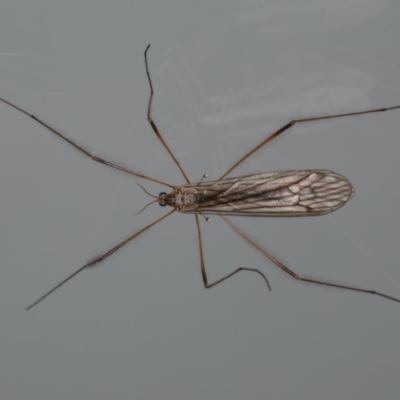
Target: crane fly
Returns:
[268, 194]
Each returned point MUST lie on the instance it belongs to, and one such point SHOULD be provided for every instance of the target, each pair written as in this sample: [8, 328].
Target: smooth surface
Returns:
[226, 74]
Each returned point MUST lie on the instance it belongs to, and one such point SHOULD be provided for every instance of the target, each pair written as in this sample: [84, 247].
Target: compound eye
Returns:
[161, 199]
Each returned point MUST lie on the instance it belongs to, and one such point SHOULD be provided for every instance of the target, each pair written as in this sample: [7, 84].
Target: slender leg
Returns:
[100, 258]
[293, 274]
[203, 267]
[300, 121]
[152, 123]
[83, 150]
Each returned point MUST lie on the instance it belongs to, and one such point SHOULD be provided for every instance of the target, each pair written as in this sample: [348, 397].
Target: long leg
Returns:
[293, 274]
[100, 258]
[203, 267]
[300, 121]
[152, 123]
[83, 150]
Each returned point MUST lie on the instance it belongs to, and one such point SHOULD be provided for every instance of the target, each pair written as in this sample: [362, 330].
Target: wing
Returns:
[276, 194]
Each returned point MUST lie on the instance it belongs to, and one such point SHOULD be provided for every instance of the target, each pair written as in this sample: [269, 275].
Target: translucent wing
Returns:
[276, 194]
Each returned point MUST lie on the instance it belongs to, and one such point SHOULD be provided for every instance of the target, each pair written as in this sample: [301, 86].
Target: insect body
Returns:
[269, 194]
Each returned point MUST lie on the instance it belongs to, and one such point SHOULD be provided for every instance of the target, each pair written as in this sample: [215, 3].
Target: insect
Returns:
[269, 194]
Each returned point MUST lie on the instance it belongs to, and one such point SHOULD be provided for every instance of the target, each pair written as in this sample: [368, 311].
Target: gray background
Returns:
[226, 73]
